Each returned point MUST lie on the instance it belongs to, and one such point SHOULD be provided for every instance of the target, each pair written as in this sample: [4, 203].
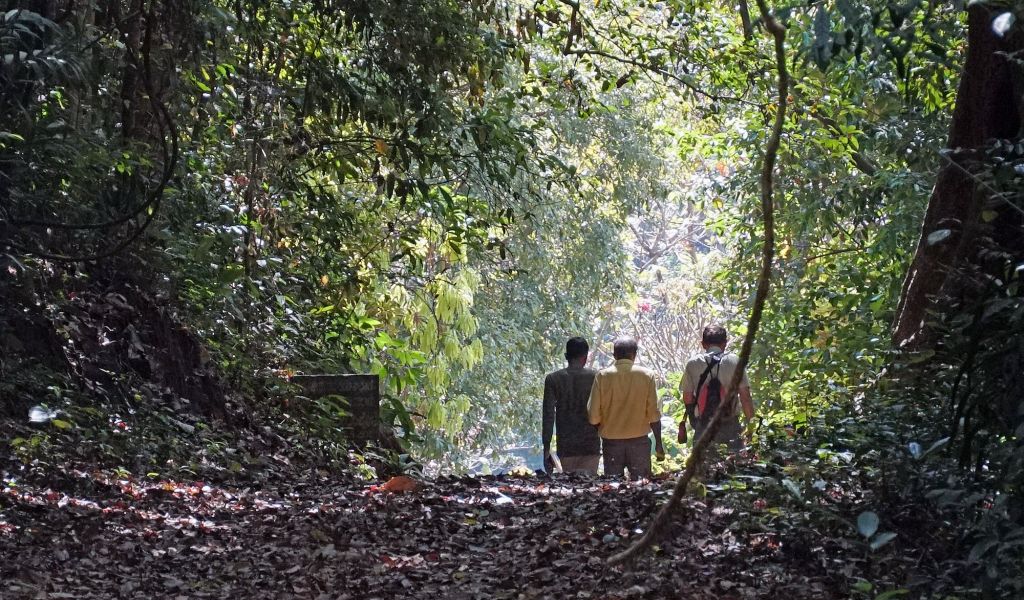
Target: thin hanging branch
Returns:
[582, 28]
[748, 26]
[778, 32]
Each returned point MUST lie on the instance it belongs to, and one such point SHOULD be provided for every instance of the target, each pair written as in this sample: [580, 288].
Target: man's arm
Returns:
[654, 418]
[659, 446]
[548, 421]
[594, 408]
[687, 387]
[748, 410]
[747, 403]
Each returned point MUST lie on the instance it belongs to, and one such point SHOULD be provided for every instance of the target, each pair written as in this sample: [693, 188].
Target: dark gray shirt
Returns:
[566, 393]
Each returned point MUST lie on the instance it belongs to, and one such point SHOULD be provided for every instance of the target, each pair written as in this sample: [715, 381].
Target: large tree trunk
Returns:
[988, 107]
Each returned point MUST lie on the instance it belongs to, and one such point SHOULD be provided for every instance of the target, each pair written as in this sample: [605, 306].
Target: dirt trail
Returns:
[488, 537]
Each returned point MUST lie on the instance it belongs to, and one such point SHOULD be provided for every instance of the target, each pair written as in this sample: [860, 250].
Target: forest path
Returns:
[484, 537]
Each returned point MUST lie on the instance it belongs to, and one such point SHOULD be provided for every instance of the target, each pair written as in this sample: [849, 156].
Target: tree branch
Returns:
[834, 252]
[748, 26]
[778, 32]
[862, 162]
[660, 71]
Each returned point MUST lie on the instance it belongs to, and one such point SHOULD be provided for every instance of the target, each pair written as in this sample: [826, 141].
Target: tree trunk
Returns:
[988, 107]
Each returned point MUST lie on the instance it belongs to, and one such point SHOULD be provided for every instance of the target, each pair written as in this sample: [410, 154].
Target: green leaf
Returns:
[915, 449]
[1003, 23]
[938, 444]
[867, 523]
[435, 415]
[882, 539]
[793, 488]
[892, 594]
[449, 202]
[938, 236]
[61, 424]
[979, 550]
[231, 273]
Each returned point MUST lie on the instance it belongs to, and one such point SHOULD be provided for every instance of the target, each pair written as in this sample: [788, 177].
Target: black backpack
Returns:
[708, 397]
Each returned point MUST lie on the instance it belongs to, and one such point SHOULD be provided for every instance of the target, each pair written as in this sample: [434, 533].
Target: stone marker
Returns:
[363, 395]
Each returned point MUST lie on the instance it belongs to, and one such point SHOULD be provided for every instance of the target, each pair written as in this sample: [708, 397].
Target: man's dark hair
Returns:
[576, 347]
[714, 334]
[624, 347]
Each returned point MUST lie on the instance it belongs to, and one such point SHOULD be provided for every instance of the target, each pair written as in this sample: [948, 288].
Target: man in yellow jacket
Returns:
[624, 407]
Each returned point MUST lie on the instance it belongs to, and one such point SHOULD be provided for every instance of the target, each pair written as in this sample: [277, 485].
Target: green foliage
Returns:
[441, 192]
[875, 85]
[851, 197]
[327, 188]
[973, 380]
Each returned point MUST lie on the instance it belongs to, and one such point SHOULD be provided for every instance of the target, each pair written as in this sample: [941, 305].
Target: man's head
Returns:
[576, 350]
[714, 335]
[624, 346]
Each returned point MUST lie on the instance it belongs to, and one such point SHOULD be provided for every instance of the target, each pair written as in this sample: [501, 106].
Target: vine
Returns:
[696, 458]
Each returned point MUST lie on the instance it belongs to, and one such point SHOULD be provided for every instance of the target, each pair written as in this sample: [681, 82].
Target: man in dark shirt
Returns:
[566, 393]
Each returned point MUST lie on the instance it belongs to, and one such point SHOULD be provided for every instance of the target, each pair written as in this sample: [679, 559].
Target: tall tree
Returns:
[986, 125]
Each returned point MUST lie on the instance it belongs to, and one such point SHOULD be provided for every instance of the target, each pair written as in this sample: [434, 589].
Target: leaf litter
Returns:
[485, 537]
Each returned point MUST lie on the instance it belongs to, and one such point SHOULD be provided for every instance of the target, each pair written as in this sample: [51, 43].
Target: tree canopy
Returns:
[201, 199]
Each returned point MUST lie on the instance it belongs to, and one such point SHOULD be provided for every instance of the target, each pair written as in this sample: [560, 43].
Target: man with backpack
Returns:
[707, 378]
[566, 393]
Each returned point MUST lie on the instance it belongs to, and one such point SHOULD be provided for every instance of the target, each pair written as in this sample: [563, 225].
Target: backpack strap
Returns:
[714, 359]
